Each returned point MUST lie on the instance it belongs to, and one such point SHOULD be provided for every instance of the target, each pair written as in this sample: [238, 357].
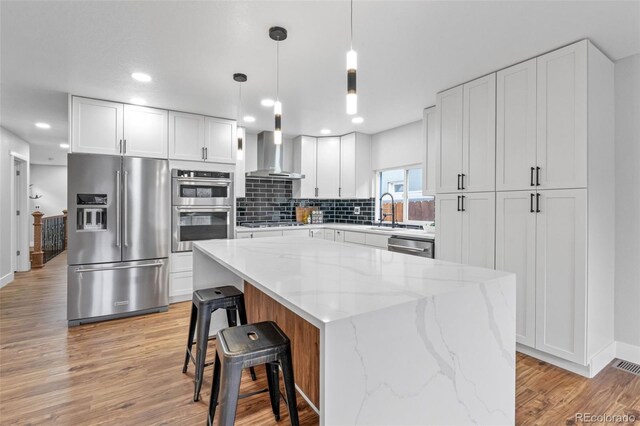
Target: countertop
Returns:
[369, 229]
[328, 281]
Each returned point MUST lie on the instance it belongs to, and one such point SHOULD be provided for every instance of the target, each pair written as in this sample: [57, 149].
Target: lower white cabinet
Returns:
[354, 237]
[466, 228]
[541, 237]
[329, 234]
[180, 286]
[339, 236]
[295, 233]
[376, 240]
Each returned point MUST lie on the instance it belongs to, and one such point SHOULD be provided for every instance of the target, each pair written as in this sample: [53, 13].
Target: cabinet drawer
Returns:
[181, 262]
[296, 233]
[264, 234]
[180, 284]
[240, 235]
[376, 240]
[354, 237]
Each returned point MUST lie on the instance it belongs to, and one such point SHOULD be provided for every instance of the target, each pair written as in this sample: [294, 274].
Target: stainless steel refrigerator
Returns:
[118, 236]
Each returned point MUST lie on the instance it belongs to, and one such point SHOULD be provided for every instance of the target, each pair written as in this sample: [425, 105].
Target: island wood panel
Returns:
[305, 338]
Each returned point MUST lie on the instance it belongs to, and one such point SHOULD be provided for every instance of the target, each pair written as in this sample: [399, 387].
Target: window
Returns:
[405, 186]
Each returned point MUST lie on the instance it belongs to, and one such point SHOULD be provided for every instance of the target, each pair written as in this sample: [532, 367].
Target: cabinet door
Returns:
[328, 167]
[562, 118]
[561, 261]
[339, 236]
[348, 166]
[145, 132]
[186, 136]
[516, 127]
[266, 234]
[97, 126]
[364, 174]
[449, 228]
[219, 140]
[479, 135]
[308, 167]
[478, 229]
[449, 139]
[330, 234]
[429, 137]
[516, 252]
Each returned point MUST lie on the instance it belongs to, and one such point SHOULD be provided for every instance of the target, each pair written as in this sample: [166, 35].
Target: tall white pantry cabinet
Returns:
[554, 181]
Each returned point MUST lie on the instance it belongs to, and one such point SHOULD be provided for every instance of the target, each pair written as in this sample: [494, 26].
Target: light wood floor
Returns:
[129, 371]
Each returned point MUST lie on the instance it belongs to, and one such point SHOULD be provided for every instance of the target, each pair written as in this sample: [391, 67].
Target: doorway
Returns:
[20, 216]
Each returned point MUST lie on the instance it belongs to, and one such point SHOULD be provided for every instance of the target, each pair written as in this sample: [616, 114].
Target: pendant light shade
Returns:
[278, 34]
[352, 66]
[240, 133]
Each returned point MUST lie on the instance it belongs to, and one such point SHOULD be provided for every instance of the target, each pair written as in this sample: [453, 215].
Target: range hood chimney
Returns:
[270, 160]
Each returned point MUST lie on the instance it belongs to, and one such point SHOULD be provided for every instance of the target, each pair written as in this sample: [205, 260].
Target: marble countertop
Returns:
[330, 281]
[369, 229]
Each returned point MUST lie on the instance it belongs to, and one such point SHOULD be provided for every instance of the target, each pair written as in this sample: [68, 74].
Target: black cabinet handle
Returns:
[462, 184]
[537, 203]
[531, 203]
[532, 184]
[459, 209]
[459, 181]
[463, 209]
[537, 176]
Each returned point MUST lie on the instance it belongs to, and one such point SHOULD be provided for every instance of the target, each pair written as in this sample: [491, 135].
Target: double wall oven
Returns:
[203, 207]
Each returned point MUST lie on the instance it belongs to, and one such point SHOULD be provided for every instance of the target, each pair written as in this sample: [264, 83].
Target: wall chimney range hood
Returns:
[270, 160]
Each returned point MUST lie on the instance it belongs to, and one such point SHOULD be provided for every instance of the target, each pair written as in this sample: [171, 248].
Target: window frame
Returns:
[405, 194]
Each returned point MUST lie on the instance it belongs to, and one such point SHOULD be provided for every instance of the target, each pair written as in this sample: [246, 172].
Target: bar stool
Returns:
[205, 302]
[243, 347]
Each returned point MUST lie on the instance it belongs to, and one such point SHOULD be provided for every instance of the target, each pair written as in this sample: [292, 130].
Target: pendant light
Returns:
[240, 78]
[278, 34]
[352, 66]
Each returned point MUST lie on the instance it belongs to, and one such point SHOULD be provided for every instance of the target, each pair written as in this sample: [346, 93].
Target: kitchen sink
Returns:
[383, 228]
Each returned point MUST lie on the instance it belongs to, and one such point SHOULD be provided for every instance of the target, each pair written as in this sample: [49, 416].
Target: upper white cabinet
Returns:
[479, 135]
[219, 140]
[101, 127]
[449, 140]
[516, 127]
[334, 167]
[429, 138]
[145, 132]
[466, 137]
[97, 126]
[562, 118]
[328, 167]
[186, 136]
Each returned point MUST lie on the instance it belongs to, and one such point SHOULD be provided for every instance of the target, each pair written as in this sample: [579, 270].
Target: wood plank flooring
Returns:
[129, 371]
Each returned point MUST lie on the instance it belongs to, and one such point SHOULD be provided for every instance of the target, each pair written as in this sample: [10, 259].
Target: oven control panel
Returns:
[199, 174]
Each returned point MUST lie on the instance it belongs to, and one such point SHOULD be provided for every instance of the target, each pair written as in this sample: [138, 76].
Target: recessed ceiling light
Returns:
[249, 118]
[43, 125]
[325, 131]
[138, 101]
[140, 76]
[64, 145]
[357, 120]
[267, 102]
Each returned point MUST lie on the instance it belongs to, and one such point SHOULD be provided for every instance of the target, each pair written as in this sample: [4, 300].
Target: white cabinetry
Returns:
[449, 228]
[186, 136]
[304, 161]
[97, 126]
[145, 132]
[478, 229]
[449, 140]
[181, 276]
[429, 138]
[355, 166]
[328, 167]
[101, 127]
[219, 137]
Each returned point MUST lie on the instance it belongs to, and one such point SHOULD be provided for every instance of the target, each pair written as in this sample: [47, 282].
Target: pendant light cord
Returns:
[239, 101]
[278, 69]
[351, 45]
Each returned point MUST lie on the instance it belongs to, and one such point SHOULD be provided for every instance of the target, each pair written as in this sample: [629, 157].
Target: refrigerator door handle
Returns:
[118, 201]
[126, 210]
[113, 268]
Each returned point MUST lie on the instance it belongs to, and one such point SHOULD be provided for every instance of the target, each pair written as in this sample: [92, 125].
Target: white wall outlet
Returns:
[356, 210]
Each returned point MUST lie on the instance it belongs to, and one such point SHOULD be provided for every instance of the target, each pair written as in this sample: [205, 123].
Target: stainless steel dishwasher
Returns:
[415, 246]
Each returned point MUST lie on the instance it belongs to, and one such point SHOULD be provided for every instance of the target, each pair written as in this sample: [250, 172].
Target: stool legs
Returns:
[204, 321]
[231, 376]
[242, 313]
[289, 386]
[274, 387]
[192, 332]
[215, 389]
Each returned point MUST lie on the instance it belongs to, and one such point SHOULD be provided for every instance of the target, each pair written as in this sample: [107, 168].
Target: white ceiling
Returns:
[407, 52]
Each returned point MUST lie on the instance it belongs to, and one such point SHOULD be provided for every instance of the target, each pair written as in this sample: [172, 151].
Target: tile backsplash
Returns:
[271, 200]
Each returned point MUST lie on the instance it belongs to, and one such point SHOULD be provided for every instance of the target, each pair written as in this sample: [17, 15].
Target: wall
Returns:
[11, 143]
[627, 211]
[51, 183]
[400, 146]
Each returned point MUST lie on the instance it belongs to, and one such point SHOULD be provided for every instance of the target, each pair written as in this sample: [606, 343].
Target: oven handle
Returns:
[200, 181]
[200, 209]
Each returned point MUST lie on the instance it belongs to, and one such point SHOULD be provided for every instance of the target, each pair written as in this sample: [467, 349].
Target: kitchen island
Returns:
[378, 337]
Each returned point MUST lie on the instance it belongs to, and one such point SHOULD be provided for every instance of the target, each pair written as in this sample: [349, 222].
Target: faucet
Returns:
[383, 215]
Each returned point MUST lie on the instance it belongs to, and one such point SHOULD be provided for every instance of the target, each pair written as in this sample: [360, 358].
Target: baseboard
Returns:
[582, 370]
[177, 298]
[6, 279]
[628, 352]
[603, 358]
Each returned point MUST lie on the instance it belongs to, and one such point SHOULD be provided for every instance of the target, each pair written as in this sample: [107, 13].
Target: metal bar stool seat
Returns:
[205, 302]
[243, 347]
